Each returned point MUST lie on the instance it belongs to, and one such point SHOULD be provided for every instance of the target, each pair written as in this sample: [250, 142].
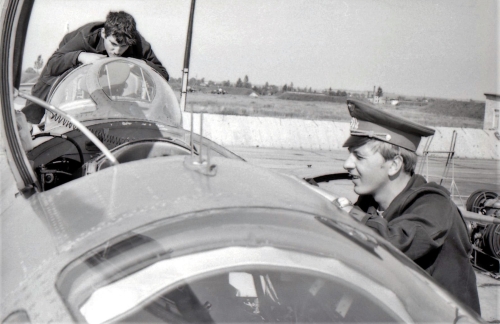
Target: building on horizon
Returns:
[492, 112]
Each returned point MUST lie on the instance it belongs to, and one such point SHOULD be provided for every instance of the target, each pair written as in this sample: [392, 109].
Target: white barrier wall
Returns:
[471, 143]
[327, 135]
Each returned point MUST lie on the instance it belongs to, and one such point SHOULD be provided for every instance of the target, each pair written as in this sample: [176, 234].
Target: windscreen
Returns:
[242, 285]
[111, 89]
[126, 81]
[240, 266]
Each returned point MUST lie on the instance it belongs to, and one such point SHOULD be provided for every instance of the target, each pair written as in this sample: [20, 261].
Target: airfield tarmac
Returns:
[467, 175]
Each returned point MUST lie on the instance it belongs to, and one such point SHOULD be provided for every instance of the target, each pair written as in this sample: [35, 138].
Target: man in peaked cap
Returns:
[417, 217]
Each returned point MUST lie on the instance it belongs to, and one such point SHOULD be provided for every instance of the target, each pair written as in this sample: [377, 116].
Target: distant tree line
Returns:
[38, 63]
[380, 93]
[338, 93]
[37, 66]
[271, 89]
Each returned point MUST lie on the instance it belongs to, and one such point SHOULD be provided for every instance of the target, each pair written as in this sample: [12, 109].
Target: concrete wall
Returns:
[328, 135]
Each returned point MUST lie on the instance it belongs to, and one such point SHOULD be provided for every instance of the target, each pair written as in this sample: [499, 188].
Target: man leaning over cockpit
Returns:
[115, 37]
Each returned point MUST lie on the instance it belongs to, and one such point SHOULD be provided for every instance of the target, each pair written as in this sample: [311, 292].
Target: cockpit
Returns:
[114, 88]
[122, 102]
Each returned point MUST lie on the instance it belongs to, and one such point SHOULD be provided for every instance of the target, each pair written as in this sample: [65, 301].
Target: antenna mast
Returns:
[187, 55]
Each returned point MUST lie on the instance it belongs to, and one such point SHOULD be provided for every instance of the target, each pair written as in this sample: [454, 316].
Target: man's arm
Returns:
[66, 57]
[420, 229]
[73, 50]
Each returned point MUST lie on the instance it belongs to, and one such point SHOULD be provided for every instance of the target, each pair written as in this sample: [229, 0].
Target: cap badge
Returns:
[354, 123]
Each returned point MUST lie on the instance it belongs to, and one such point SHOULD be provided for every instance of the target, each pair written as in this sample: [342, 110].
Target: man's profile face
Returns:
[113, 48]
[368, 169]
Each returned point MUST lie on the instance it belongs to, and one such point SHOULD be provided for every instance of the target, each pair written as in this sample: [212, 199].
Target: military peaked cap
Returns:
[369, 121]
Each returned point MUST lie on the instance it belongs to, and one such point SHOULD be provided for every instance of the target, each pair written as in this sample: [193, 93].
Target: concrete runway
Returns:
[468, 175]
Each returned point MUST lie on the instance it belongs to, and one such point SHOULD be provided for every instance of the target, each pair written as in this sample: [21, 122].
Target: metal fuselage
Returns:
[44, 232]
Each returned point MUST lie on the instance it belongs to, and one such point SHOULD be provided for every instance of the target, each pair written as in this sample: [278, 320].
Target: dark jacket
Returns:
[427, 226]
[84, 39]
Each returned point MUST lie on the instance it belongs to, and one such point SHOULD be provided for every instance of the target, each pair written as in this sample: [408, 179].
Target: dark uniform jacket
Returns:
[85, 39]
[427, 226]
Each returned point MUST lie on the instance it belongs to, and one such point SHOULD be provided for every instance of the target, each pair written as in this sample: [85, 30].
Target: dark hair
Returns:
[390, 151]
[121, 25]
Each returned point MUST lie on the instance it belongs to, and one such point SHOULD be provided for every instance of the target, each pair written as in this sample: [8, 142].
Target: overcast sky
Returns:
[434, 48]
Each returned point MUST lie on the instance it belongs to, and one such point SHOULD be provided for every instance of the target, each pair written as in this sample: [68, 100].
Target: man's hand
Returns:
[343, 203]
[85, 57]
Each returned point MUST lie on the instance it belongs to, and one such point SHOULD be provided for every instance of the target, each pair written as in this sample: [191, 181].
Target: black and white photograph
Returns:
[250, 161]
